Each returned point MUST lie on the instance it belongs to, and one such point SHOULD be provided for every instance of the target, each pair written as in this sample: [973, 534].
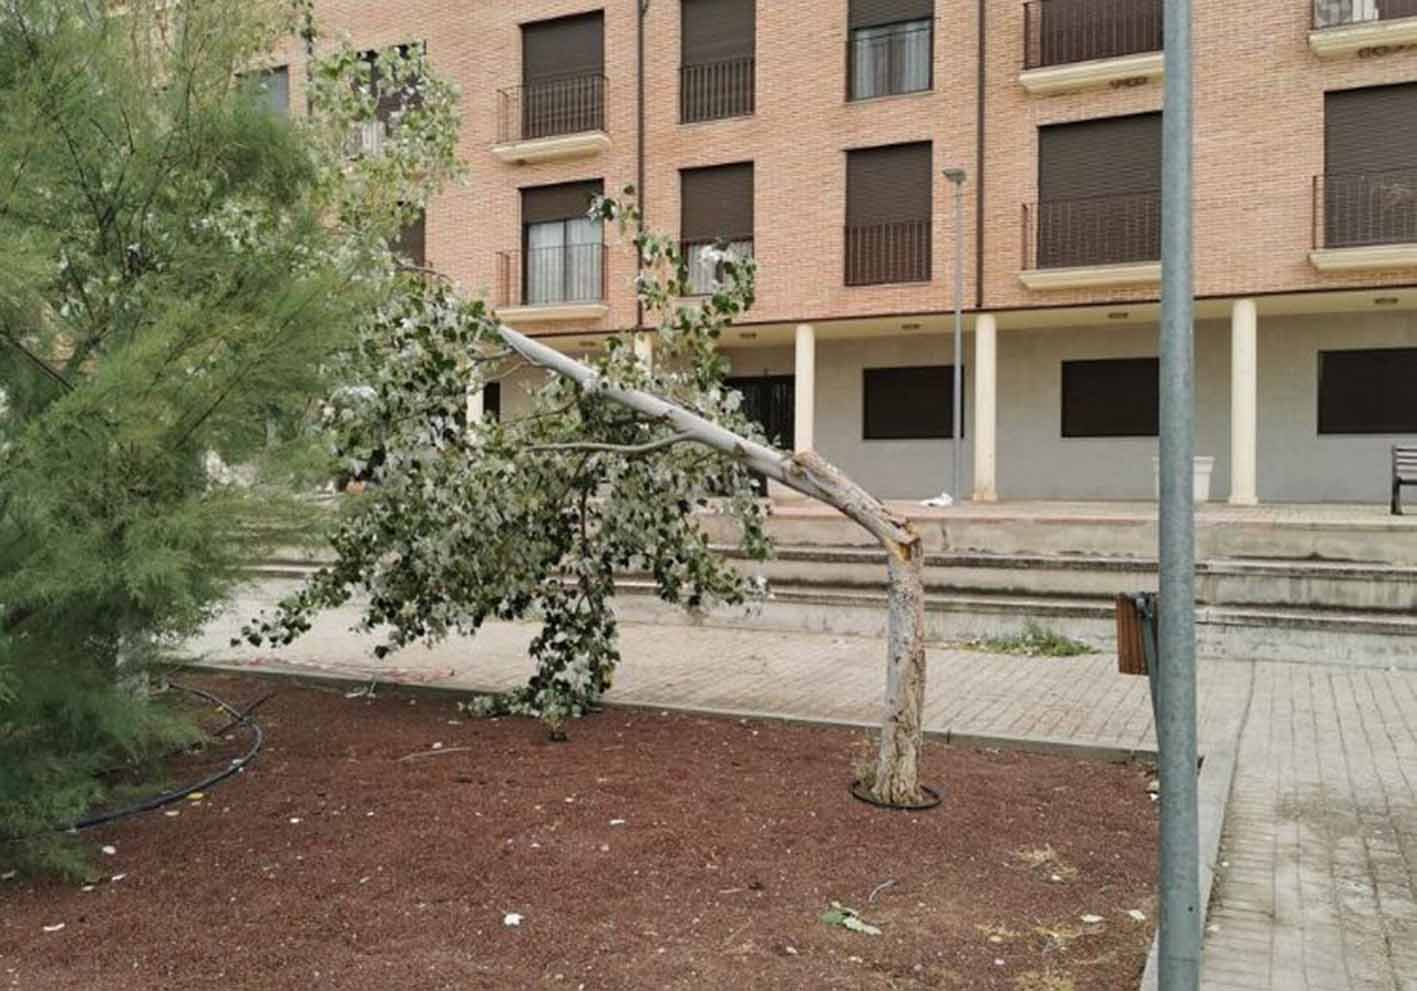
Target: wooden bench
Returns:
[1404, 472]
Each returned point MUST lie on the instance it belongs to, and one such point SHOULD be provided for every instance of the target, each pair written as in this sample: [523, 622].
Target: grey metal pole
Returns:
[1180, 923]
[957, 177]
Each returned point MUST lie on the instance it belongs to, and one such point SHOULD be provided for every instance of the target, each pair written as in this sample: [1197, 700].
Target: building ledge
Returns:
[1093, 74]
[562, 146]
[553, 312]
[1090, 276]
[1365, 258]
[1353, 38]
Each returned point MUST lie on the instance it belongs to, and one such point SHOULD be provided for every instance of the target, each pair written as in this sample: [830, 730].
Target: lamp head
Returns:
[955, 176]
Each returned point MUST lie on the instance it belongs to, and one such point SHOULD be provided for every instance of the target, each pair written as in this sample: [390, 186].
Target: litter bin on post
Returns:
[1136, 638]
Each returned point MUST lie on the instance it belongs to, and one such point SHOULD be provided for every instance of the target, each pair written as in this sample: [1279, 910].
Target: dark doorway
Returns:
[769, 400]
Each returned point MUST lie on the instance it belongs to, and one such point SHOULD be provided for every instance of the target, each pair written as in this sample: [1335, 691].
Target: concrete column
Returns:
[1244, 402]
[644, 350]
[474, 406]
[986, 404]
[805, 386]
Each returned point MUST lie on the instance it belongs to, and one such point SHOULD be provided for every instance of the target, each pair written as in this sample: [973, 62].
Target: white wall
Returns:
[892, 469]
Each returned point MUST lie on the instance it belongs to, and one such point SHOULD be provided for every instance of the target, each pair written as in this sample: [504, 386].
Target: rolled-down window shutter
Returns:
[888, 185]
[1370, 130]
[717, 202]
[1113, 156]
[566, 201]
[717, 30]
[870, 13]
[566, 46]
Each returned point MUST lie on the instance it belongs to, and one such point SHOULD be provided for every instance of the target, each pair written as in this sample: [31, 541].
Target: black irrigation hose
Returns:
[238, 718]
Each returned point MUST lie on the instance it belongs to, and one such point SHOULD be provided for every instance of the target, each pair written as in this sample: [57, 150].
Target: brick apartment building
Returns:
[816, 133]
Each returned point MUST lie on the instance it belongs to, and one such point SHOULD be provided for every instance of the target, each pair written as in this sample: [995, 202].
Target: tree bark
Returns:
[897, 779]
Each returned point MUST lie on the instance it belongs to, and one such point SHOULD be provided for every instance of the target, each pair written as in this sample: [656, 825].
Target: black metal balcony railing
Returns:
[1094, 230]
[1058, 32]
[881, 253]
[569, 273]
[715, 90]
[1342, 13]
[704, 267]
[895, 61]
[1373, 208]
[550, 107]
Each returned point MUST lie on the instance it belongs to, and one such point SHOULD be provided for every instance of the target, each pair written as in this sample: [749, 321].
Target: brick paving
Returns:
[1317, 885]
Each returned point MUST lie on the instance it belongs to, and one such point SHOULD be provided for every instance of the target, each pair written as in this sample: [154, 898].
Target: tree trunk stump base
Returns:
[862, 794]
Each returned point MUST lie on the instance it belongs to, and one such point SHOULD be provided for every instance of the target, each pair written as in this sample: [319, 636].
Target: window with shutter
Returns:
[717, 63]
[891, 47]
[563, 76]
[908, 403]
[1112, 397]
[1099, 192]
[1369, 187]
[716, 214]
[371, 135]
[888, 214]
[412, 241]
[1058, 32]
[1368, 392]
[562, 248]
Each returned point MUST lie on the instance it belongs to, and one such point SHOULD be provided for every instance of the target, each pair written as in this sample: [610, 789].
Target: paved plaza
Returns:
[1318, 865]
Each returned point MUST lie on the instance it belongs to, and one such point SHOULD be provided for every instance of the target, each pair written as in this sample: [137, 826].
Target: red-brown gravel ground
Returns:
[332, 863]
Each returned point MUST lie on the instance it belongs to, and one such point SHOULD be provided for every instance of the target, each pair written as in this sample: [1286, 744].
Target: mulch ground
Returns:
[652, 851]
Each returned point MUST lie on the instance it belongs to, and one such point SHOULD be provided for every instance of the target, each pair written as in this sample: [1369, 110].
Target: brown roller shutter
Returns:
[566, 201]
[888, 185]
[1117, 155]
[566, 46]
[870, 13]
[1370, 130]
[717, 30]
[1112, 397]
[717, 202]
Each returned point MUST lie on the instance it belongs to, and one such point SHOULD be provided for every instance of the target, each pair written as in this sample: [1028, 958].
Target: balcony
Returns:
[880, 254]
[552, 119]
[1365, 221]
[565, 282]
[1093, 241]
[1348, 27]
[705, 269]
[717, 90]
[1083, 44]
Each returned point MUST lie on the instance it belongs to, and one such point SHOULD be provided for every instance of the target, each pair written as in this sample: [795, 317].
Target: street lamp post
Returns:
[957, 177]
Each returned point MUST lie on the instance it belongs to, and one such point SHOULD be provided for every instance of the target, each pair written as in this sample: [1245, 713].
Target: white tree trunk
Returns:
[897, 779]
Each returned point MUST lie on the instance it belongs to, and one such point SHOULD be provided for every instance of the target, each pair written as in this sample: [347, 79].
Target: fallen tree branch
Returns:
[629, 450]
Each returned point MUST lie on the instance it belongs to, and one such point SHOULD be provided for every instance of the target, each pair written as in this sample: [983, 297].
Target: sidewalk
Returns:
[1315, 889]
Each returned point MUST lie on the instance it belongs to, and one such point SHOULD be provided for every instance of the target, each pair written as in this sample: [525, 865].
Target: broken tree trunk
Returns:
[897, 779]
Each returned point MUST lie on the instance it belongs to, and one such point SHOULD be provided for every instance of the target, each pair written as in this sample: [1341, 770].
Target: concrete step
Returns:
[1274, 633]
[1224, 582]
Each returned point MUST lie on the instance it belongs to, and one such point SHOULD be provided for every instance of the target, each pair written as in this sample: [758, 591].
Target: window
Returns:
[1112, 397]
[717, 65]
[562, 250]
[369, 139]
[1099, 198]
[1370, 166]
[272, 86]
[891, 50]
[1058, 32]
[909, 403]
[492, 400]
[563, 76]
[888, 214]
[1368, 392]
[716, 212]
[411, 242]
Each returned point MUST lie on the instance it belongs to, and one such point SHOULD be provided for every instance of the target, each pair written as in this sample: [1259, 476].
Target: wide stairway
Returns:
[1319, 584]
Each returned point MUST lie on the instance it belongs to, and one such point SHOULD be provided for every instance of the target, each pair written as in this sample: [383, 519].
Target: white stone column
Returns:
[474, 406]
[644, 350]
[805, 388]
[1244, 402]
[986, 404]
